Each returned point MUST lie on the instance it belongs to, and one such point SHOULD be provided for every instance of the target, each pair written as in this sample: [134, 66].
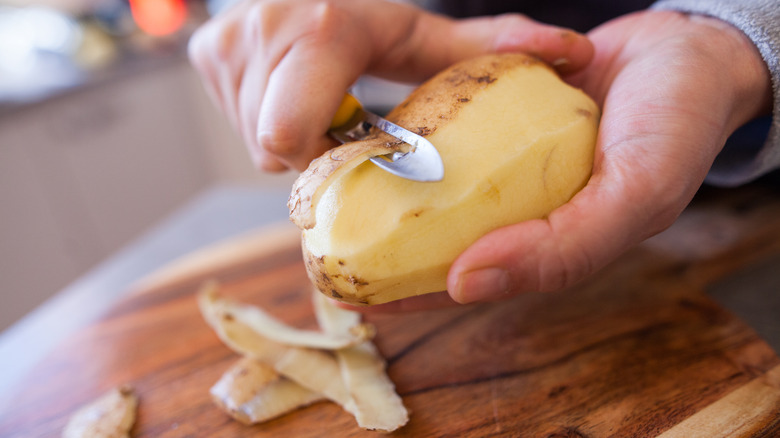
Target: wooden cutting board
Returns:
[636, 351]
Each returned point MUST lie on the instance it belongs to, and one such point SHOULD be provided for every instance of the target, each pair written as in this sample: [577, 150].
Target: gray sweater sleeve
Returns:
[760, 21]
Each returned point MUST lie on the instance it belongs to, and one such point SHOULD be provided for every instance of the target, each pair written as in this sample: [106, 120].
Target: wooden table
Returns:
[638, 350]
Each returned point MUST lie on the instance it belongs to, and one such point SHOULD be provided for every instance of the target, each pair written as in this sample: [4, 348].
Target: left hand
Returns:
[673, 88]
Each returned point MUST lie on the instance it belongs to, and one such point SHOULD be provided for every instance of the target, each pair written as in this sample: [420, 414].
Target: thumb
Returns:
[538, 255]
[575, 240]
[438, 42]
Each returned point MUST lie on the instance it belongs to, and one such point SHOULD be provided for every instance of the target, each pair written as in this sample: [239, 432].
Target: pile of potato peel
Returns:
[283, 368]
[110, 415]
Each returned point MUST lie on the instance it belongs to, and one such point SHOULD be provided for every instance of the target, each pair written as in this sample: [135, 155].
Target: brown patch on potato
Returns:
[423, 131]
[356, 281]
[584, 112]
[459, 84]
[491, 192]
[546, 165]
[327, 279]
[332, 284]
[486, 79]
[413, 213]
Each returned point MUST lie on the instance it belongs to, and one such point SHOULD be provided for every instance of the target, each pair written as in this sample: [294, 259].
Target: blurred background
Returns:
[105, 131]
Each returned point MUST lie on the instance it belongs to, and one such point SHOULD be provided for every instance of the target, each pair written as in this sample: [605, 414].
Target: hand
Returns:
[279, 69]
[672, 88]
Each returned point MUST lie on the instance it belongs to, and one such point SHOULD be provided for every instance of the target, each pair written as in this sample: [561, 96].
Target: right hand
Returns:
[279, 69]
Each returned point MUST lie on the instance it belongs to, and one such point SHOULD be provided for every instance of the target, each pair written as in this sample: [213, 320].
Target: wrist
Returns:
[746, 72]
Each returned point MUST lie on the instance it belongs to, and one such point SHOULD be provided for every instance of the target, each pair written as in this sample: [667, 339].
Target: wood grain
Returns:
[743, 412]
[636, 351]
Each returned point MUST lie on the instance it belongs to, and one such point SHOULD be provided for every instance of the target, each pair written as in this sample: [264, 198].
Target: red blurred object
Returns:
[159, 17]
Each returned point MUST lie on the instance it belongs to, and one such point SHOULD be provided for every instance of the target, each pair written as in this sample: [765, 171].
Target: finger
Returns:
[200, 51]
[439, 42]
[215, 51]
[250, 96]
[266, 36]
[200, 59]
[564, 49]
[228, 83]
[306, 87]
[218, 51]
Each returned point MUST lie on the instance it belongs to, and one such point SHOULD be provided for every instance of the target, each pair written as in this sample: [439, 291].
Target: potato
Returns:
[516, 142]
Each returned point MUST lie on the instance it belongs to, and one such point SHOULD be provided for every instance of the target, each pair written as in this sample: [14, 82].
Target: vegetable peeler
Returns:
[422, 163]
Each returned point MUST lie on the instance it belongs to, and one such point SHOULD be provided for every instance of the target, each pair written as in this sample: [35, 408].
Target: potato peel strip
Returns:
[253, 392]
[113, 414]
[311, 184]
[316, 370]
[373, 399]
[353, 377]
[274, 330]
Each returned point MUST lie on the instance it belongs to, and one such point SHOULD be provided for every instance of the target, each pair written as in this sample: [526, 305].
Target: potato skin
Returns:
[340, 159]
[325, 282]
[438, 100]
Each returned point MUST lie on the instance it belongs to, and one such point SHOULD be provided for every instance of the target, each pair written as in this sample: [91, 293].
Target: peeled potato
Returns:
[516, 142]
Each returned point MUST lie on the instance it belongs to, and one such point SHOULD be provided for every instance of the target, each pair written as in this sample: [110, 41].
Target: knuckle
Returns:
[263, 20]
[267, 19]
[552, 276]
[666, 200]
[213, 42]
[198, 48]
[225, 41]
[563, 264]
[556, 278]
[327, 18]
[282, 141]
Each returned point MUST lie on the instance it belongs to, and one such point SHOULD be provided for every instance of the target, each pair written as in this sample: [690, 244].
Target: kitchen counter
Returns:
[666, 339]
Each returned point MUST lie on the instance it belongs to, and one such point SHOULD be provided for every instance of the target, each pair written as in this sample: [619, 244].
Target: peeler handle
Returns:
[347, 109]
[349, 122]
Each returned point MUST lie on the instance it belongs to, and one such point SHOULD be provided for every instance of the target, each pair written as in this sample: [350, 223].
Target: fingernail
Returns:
[482, 284]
